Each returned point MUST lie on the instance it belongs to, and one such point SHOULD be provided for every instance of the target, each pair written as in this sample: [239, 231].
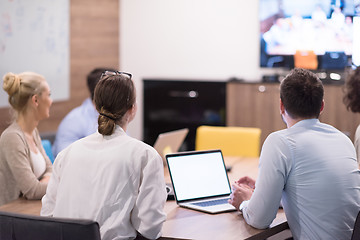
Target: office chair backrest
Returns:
[15, 226]
[47, 147]
[356, 232]
[305, 59]
[233, 141]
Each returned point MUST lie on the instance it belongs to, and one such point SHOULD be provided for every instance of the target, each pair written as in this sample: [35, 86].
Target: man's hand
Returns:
[247, 181]
[242, 190]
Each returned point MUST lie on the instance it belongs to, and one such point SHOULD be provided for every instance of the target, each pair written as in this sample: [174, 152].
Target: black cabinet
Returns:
[172, 104]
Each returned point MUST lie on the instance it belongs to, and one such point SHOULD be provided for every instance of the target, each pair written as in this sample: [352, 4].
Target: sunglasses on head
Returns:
[113, 73]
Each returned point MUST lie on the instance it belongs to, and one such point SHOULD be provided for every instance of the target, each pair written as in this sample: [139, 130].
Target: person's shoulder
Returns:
[139, 143]
[143, 148]
[357, 133]
[329, 128]
[277, 137]
[81, 112]
[335, 133]
[12, 135]
[73, 117]
[93, 137]
[74, 113]
[11, 131]
[76, 143]
[278, 134]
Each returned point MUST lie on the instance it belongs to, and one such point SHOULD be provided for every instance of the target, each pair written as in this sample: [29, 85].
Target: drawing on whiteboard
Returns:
[34, 36]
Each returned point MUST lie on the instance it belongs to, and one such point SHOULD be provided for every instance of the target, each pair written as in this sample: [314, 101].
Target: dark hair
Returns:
[352, 91]
[93, 78]
[302, 94]
[114, 96]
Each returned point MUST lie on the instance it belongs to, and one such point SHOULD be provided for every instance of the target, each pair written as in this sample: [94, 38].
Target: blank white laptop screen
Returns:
[198, 175]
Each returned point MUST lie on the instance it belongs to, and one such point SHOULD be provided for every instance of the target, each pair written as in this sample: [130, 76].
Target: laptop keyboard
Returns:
[212, 202]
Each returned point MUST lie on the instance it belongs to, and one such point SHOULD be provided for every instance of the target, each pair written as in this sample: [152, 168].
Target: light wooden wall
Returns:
[94, 42]
[257, 105]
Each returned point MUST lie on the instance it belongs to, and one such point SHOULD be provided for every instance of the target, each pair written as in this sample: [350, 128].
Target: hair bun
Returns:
[11, 83]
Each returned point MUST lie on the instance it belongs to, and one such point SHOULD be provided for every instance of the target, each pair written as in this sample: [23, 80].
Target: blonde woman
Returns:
[25, 168]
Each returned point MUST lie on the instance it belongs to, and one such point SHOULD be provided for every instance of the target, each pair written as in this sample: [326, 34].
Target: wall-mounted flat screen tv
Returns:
[313, 34]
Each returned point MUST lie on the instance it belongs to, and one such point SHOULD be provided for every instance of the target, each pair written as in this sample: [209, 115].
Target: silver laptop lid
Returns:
[170, 142]
[198, 175]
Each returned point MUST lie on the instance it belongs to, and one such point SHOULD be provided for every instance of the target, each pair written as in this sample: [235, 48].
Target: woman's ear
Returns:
[132, 112]
[34, 100]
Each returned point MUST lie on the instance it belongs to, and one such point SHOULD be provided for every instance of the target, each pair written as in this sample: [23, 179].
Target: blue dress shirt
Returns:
[312, 168]
[78, 123]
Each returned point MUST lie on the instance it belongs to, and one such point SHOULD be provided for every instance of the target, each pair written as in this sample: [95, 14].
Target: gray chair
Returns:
[14, 226]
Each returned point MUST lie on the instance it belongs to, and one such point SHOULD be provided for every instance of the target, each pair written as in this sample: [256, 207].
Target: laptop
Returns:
[200, 180]
[170, 142]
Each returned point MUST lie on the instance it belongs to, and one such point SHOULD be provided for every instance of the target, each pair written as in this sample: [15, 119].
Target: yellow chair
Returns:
[233, 141]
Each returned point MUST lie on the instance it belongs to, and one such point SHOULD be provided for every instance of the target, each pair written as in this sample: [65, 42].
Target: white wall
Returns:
[186, 39]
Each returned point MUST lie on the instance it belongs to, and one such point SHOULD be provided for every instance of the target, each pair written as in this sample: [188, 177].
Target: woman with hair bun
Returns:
[25, 168]
[119, 180]
[352, 102]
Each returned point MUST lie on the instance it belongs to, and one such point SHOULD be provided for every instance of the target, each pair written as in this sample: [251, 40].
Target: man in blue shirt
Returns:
[310, 167]
[82, 120]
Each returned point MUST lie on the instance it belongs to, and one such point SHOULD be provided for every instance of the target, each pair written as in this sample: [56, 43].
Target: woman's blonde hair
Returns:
[21, 87]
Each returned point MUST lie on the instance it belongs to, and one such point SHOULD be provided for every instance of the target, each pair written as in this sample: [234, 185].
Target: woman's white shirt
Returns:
[115, 180]
[38, 163]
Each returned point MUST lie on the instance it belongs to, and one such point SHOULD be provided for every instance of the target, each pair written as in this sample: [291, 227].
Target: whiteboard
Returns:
[34, 36]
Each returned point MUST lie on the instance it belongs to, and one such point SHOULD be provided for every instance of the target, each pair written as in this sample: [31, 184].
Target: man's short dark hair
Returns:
[302, 93]
[93, 78]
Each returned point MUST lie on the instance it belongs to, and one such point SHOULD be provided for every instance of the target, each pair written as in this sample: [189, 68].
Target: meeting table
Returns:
[183, 223]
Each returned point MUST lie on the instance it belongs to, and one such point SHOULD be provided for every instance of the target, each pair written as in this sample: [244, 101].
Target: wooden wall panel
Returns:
[254, 105]
[257, 105]
[94, 42]
[335, 112]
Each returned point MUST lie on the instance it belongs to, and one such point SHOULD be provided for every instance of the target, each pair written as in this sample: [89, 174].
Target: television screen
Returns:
[313, 34]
